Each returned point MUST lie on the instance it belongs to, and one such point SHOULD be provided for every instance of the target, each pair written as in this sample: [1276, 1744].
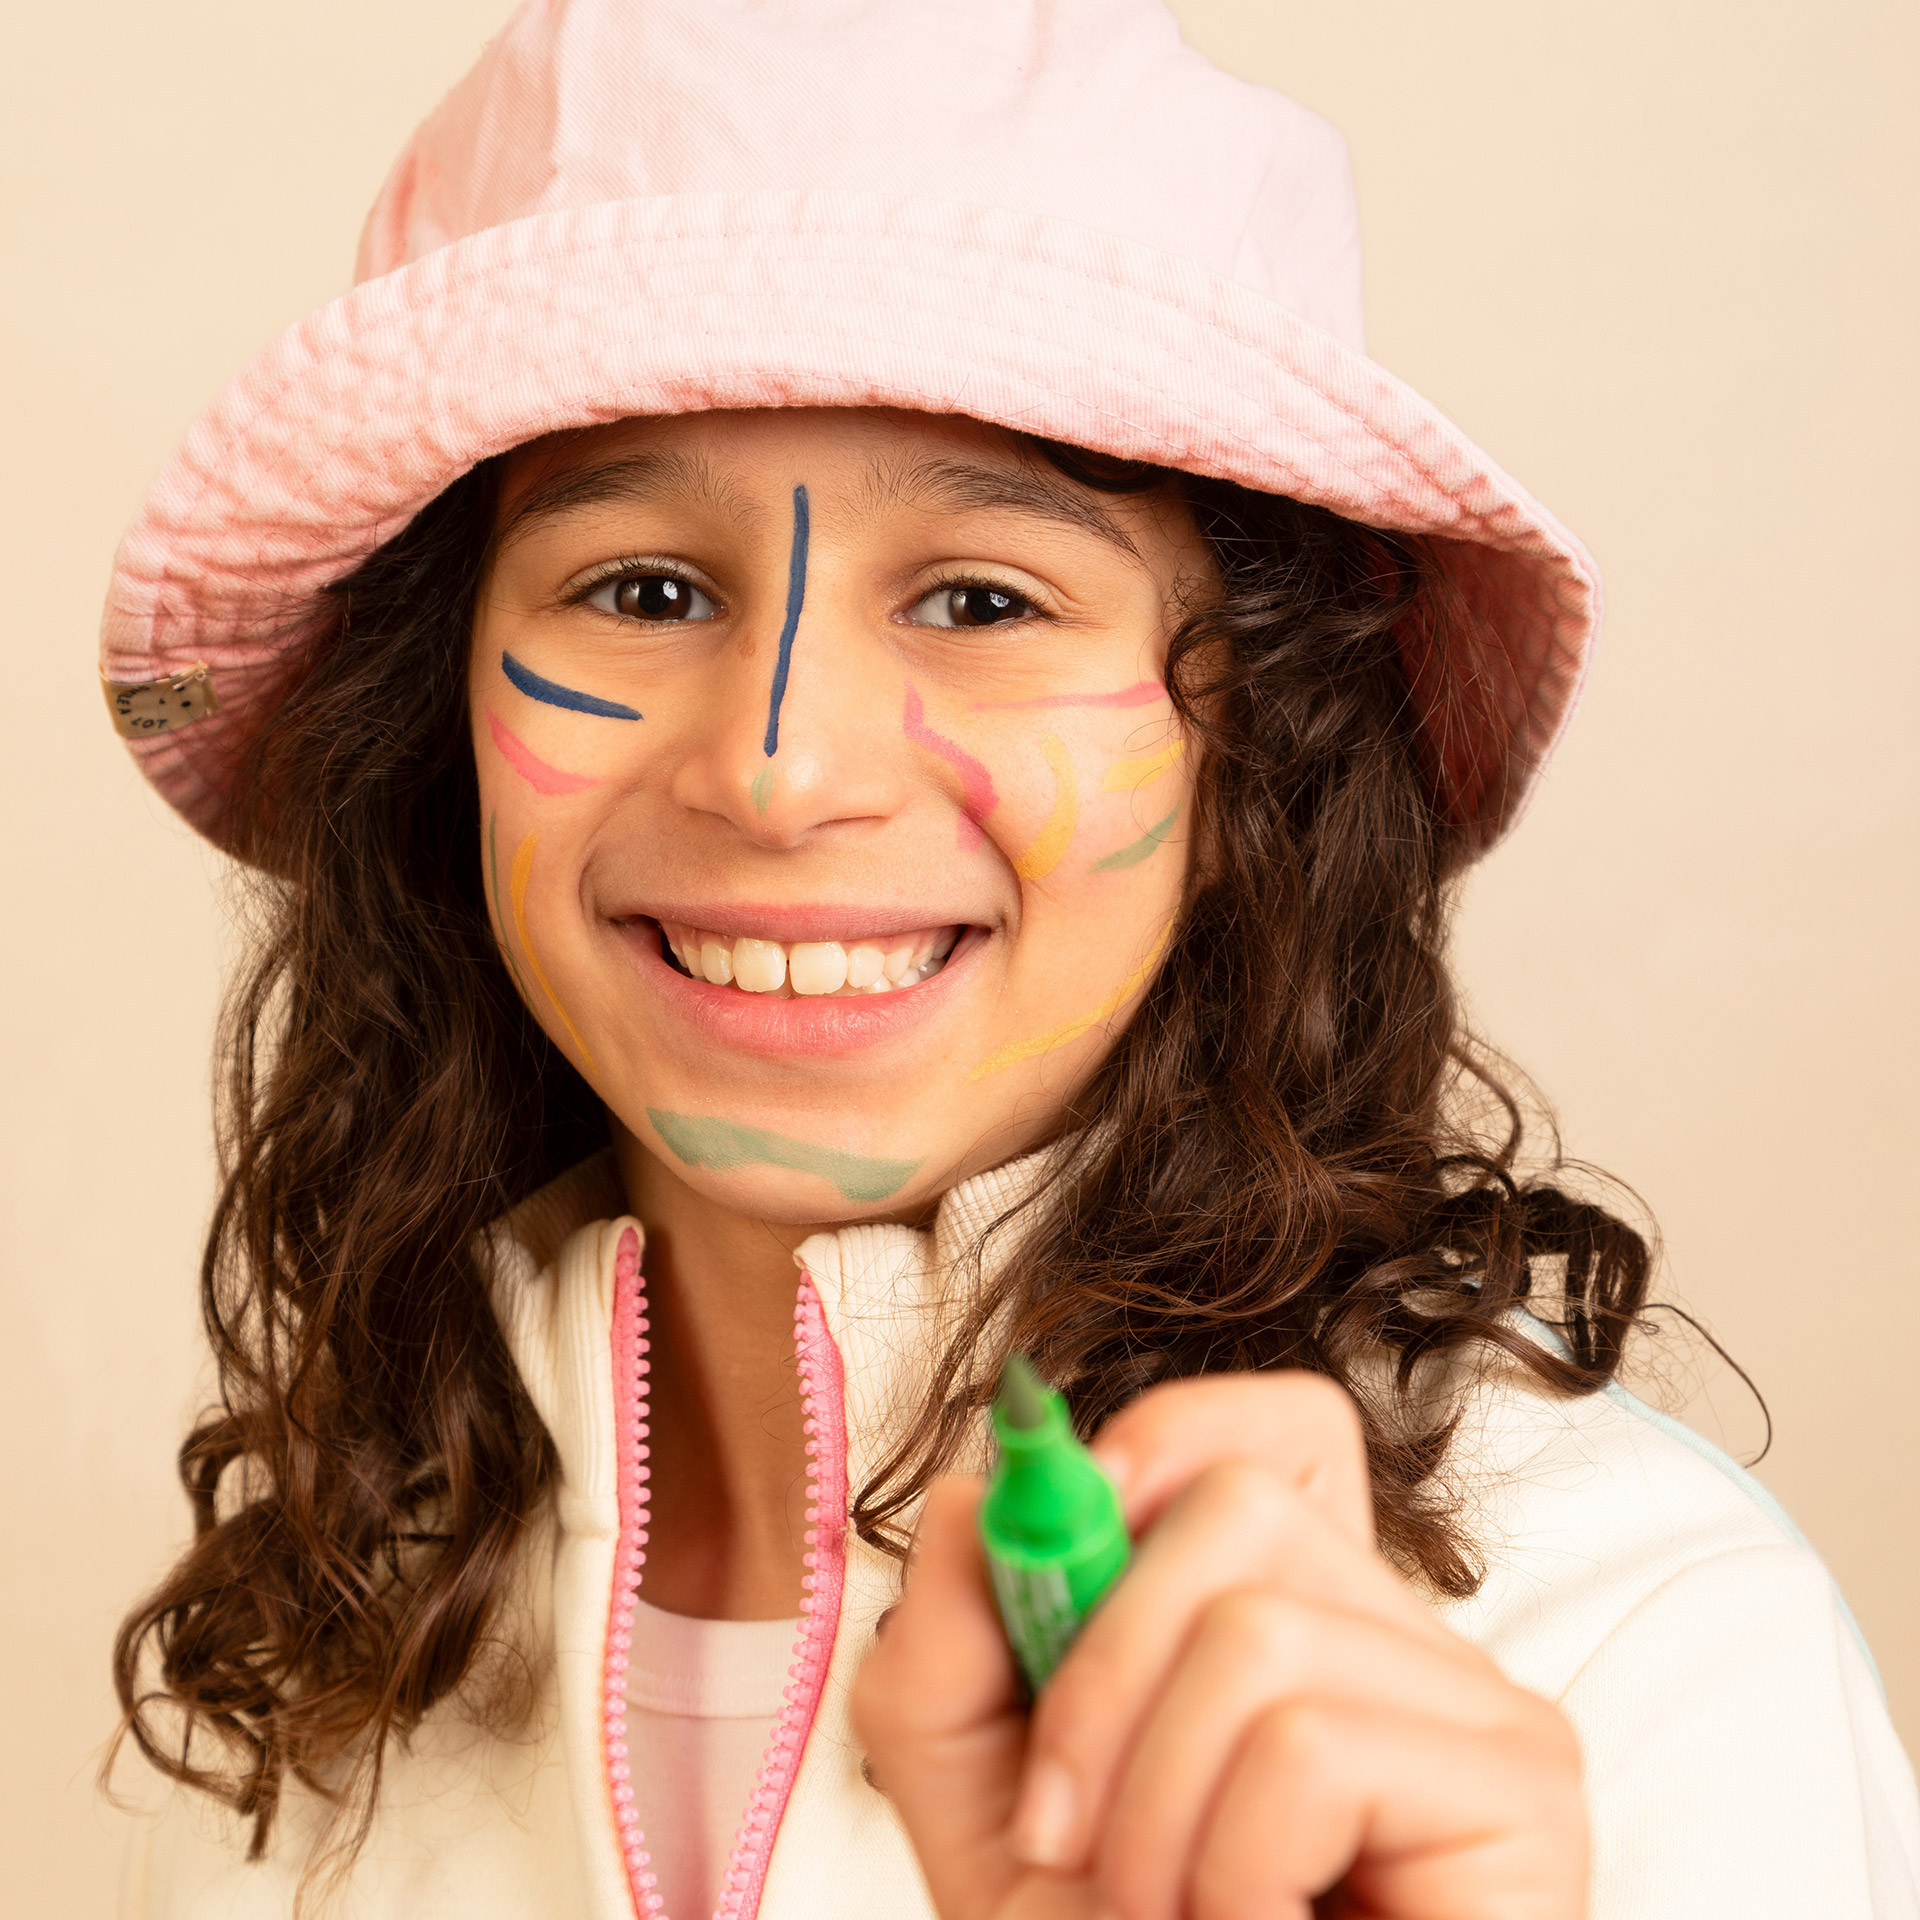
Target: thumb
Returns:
[939, 1710]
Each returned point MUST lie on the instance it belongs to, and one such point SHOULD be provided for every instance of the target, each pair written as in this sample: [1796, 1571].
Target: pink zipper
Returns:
[630, 1447]
[823, 1409]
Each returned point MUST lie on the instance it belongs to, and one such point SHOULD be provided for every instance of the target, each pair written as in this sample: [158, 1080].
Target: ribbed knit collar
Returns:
[591, 1191]
[893, 1296]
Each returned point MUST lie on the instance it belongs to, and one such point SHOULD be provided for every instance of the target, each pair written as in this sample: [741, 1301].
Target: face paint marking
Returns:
[1132, 854]
[706, 1140]
[1044, 855]
[538, 687]
[977, 797]
[529, 766]
[761, 792]
[1138, 695]
[1125, 775]
[1061, 1036]
[500, 912]
[522, 870]
[796, 598]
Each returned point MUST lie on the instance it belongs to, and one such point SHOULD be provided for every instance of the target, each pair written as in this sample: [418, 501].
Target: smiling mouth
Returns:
[788, 969]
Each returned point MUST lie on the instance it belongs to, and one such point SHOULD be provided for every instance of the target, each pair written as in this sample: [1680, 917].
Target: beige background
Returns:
[1659, 256]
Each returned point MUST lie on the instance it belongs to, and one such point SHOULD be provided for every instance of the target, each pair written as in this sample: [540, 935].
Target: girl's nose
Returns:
[835, 762]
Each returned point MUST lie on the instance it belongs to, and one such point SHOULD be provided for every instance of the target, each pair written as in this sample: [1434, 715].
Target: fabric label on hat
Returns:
[141, 707]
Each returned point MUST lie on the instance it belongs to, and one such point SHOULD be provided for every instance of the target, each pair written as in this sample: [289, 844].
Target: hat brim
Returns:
[330, 441]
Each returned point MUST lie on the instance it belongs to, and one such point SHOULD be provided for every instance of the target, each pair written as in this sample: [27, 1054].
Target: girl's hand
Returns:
[1261, 1711]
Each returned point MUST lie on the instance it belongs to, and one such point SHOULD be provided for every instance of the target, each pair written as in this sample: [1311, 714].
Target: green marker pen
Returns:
[1051, 1522]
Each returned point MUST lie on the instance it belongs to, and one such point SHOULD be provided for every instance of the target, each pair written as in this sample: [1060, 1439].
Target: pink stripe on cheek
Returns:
[528, 764]
[1137, 695]
[977, 797]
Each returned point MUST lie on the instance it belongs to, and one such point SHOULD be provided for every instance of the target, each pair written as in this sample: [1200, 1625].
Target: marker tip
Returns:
[1022, 1396]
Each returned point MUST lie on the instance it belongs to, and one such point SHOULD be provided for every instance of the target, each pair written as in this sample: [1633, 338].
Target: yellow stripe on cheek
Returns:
[522, 872]
[1045, 853]
[1125, 775]
[1061, 1036]
[500, 910]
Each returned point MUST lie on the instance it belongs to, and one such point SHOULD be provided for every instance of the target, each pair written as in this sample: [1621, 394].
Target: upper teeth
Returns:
[877, 965]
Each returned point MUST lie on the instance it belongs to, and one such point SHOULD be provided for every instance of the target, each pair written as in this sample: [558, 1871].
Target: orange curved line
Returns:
[522, 870]
[500, 910]
[1045, 853]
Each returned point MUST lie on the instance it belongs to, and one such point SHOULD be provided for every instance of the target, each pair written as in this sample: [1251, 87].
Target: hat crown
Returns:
[1090, 111]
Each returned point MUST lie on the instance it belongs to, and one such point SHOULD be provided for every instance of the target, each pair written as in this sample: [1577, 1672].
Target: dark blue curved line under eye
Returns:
[796, 598]
[537, 687]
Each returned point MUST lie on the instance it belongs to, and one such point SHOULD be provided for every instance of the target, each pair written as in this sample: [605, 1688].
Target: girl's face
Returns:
[833, 813]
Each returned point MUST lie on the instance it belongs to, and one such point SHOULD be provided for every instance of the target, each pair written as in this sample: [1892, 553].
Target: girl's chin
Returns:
[729, 1021]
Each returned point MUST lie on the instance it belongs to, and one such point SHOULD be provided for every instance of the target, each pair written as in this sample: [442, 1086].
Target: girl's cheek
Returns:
[538, 787]
[556, 739]
[980, 800]
[1101, 860]
[1145, 795]
[542, 777]
[527, 791]
[1072, 806]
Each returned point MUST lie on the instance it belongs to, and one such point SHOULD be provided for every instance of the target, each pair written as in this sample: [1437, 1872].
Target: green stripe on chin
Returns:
[707, 1140]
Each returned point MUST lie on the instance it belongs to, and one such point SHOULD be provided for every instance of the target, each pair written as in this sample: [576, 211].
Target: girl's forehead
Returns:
[749, 442]
[856, 463]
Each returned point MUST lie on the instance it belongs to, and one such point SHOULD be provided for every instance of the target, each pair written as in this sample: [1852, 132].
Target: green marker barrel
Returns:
[1051, 1522]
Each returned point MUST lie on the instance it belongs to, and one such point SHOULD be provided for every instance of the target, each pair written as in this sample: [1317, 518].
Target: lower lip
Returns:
[805, 1026]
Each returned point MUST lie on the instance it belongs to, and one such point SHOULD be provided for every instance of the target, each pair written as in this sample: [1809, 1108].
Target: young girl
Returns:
[856, 710]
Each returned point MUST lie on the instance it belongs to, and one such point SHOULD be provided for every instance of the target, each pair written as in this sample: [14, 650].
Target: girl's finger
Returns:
[1299, 1425]
[1235, 1525]
[1423, 1821]
[1254, 1650]
[938, 1709]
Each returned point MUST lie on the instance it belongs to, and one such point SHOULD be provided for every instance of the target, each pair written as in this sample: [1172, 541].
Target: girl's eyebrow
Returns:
[630, 479]
[965, 486]
[928, 485]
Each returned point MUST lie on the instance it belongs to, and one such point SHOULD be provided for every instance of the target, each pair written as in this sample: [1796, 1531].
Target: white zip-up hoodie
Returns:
[1740, 1761]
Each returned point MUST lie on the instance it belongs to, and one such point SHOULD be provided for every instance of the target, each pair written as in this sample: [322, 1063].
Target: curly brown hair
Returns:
[1269, 1169]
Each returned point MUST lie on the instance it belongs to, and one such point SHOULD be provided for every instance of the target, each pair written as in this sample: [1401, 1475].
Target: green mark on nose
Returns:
[761, 791]
[707, 1140]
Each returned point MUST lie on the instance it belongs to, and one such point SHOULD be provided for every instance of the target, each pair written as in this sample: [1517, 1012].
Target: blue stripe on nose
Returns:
[796, 598]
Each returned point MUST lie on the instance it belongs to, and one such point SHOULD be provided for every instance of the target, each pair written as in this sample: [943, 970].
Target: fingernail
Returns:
[1043, 1821]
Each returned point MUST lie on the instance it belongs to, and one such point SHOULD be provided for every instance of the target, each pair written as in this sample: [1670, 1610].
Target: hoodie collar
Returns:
[892, 1297]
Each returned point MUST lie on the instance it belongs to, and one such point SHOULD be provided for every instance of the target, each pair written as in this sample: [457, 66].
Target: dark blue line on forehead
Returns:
[796, 598]
[538, 687]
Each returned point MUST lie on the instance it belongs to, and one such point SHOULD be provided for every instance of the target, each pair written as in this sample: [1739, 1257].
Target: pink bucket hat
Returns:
[1047, 214]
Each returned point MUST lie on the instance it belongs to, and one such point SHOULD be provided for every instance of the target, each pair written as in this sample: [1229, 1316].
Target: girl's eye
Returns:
[970, 606]
[651, 596]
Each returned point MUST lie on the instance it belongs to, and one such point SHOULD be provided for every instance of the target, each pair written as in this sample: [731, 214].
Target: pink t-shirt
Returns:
[702, 1700]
